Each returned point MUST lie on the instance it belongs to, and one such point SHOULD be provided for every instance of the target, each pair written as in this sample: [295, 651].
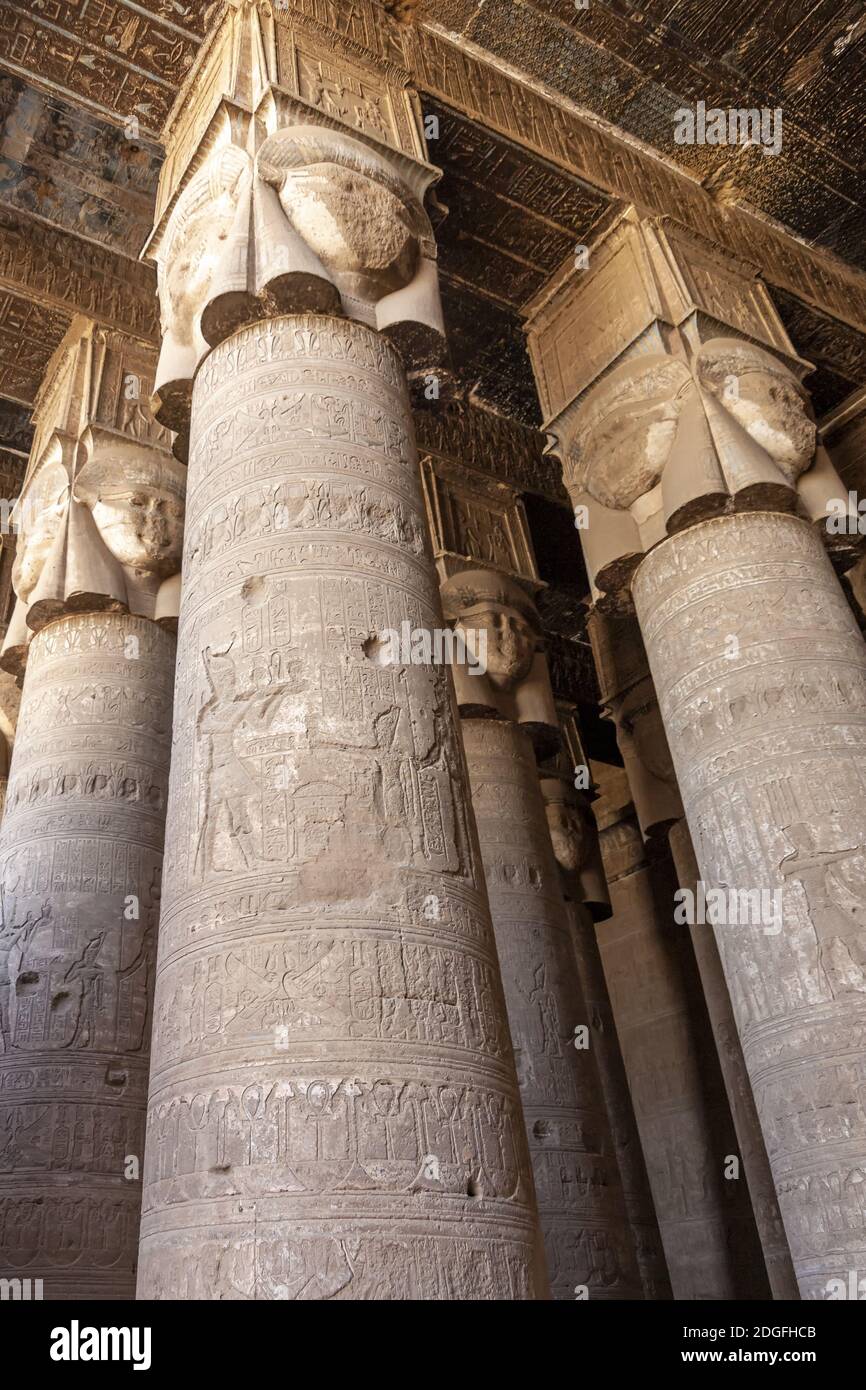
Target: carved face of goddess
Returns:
[143, 528]
[42, 517]
[567, 833]
[627, 429]
[510, 643]
[765, 399]
[641, 727]
[186, 281]
[376, 252]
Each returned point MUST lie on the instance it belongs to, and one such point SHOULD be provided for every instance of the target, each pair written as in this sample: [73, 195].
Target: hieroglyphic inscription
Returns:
[65, 273]
[81, 854]
[770, 753]
[586, 1233]
[327, 971]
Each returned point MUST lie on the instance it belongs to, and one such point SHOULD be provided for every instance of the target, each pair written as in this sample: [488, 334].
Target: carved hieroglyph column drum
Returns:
[762, 1190]
[333, 1104]
[100, 524]
[80, 858]
[704, 497]
[629, 696]
[575, 845]
[503, 695]
[583, 1218]
[768, 734]
[680, 1105]
[333, 1109]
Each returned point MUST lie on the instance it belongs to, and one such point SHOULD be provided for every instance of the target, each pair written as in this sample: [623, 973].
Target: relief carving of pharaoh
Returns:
[316, 222]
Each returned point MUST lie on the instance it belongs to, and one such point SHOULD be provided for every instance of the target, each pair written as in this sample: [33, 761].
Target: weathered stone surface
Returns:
[756, 1167]
[587, 1237]
[630, 697]
[333, 1106]
[80, 859]
[685, 1126]
[768, 738]
[100, 515]
[571, 835]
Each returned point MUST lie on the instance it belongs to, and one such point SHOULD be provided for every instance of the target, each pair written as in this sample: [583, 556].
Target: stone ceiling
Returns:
[634, 64]
[72, 72]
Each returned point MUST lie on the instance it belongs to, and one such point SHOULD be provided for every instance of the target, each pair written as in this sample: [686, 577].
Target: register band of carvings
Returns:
[333, 1106]
[769, 752]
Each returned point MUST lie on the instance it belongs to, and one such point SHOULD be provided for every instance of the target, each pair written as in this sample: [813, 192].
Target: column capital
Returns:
[672, 393]
[476, 521]
[574, 835]
[294, 181]
[100, 515]
[501, 628]
[629, 699]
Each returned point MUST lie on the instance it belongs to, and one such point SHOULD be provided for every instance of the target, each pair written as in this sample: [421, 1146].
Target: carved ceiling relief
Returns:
[490, 444]
[61, 163]
[79, 170]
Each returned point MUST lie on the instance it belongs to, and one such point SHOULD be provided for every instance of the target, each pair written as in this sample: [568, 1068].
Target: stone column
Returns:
[82, 836]
[756, 1166]
[679, 1099]
[769, 749]
[583, 1218]
[575, 842]
[333, 1107]
[691, 457]
[630, 698]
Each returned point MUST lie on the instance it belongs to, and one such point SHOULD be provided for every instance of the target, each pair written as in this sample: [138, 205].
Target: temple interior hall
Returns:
[432, 665]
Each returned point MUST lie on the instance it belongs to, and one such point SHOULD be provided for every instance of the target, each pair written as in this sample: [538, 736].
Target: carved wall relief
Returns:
[476, 520]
